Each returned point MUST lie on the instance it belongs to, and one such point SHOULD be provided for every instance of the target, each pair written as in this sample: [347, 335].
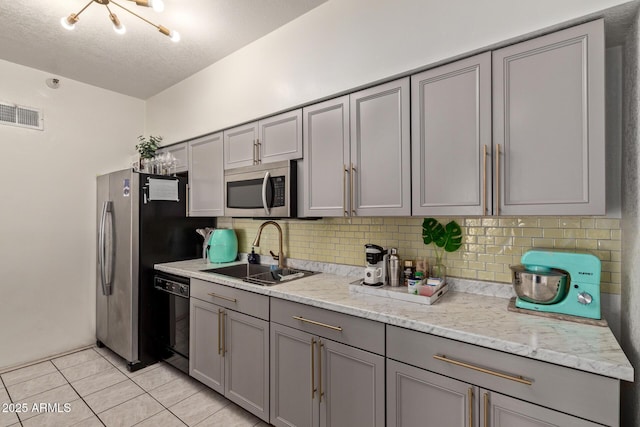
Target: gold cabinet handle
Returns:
[470, 399]
[313, 322]
[313, 368]
[486, 409]
[255, 145]
[224, 333]
[320, 392]
[211, 294]
[484, 179]
[187, 198]
[344, 191]
[219, 331]
[518, 379]
[498, 179]
[353, 196]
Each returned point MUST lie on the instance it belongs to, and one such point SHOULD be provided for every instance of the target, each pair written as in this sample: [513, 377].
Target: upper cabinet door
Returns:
[206, 176]
[240, 144]
[380, 144]
[451, 138]
[326, 143]
[548, 100]
[179, 152]
[280, 137]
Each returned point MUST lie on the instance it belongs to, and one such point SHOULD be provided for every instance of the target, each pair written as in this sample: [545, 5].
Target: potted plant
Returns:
[447, 237]
[147, 149]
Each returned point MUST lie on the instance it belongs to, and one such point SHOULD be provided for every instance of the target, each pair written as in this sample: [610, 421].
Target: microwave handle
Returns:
[267, 177]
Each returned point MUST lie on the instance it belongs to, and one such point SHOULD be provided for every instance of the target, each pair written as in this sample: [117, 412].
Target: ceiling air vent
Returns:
[17, 115]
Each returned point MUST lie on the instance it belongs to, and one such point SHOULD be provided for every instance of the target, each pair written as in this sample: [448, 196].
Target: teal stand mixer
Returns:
[558, 282]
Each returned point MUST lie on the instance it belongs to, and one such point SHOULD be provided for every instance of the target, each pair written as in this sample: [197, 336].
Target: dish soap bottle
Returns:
[253, 257]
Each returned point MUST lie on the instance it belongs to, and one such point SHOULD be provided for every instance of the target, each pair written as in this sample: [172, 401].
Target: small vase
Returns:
[438, 269]
[145, 165]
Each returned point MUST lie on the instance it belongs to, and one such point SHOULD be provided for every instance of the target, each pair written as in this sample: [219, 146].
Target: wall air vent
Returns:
[17, 115]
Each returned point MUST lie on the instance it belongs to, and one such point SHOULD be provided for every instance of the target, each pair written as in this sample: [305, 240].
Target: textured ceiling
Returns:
[141, 62]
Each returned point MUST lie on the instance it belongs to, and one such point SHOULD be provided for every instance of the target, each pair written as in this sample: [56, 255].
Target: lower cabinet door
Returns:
[246, 353]
[419, 398]
[206, 362]
[503, 411]
[294, 392]
[351, 386]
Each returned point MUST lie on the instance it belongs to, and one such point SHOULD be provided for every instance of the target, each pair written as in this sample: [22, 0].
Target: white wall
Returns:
[341, 45]
[47, 209]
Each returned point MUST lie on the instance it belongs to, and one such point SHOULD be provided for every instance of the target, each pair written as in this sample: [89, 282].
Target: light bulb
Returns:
[117, 25]
[68, 23]
[157, 5]
[174, 36]
[119, 29]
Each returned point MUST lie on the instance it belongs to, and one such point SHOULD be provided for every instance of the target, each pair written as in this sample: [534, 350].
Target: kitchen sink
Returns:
[261, 274]
[240, 271]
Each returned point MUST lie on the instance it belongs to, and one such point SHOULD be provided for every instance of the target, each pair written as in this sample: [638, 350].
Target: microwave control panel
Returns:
[278, 191]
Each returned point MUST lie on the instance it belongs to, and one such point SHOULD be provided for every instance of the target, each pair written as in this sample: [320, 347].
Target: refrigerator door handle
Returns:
[267, 177]
[102, 249]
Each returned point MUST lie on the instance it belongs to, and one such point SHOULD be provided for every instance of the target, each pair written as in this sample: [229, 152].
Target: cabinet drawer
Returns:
[350, 330]
[586, 395]
[232, 298]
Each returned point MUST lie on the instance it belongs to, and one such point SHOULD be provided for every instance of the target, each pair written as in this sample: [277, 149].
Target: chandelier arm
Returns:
[135, 14]
[84, 8]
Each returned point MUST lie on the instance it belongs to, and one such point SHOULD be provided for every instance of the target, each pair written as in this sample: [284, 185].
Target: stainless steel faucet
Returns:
[256, 242]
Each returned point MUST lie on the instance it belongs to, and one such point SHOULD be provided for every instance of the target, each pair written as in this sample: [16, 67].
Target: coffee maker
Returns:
[375, 272]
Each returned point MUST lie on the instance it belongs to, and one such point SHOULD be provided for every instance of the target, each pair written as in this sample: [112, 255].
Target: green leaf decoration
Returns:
[451, 238]
[432, 230]
[147, 148]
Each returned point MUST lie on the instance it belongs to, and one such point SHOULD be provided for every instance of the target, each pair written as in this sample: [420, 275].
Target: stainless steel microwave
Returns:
[265, 190]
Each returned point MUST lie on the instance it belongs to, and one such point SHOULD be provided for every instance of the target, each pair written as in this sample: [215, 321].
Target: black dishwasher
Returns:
[171, 319]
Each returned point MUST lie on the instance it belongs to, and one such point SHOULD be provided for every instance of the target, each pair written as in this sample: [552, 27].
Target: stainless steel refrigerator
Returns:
[142, 220]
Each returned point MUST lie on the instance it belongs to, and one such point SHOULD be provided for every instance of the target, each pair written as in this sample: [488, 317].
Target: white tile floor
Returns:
[93, 388]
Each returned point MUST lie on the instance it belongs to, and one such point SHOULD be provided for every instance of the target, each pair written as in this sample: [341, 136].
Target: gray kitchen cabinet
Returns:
[351, 386]
[318, 375]
[380, 150]
[240, 145]
[280, 137]
[272, 139]
[320, 382]
[246, 373]
[326, 189]
[521, 388]
[451, 138]
[357, 160]
[548, 124]
[415, 395]
[294, 394]
[206, 176]
[229, 349]
[180, 153]
[206, 363]
[497, 410]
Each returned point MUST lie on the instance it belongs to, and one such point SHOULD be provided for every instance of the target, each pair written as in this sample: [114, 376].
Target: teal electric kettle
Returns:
[223, 245]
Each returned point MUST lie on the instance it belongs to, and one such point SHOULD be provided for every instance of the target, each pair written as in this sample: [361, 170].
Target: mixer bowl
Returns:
[547, 287]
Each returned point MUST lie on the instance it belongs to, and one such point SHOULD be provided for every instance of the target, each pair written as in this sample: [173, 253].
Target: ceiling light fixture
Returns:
[69, 22]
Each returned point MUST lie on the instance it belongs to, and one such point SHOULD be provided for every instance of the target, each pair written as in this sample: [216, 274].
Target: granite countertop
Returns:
[471, 318]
